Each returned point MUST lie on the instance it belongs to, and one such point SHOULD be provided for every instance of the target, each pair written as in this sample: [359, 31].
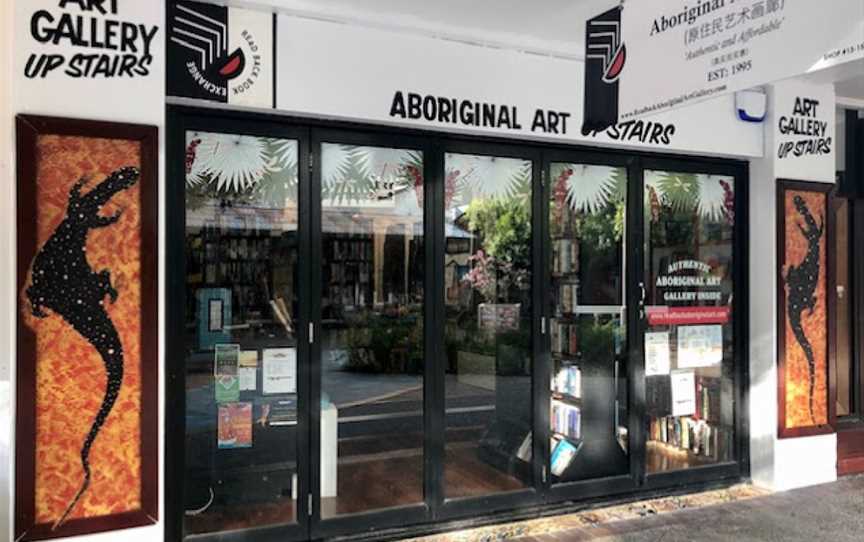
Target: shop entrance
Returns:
[377, 330]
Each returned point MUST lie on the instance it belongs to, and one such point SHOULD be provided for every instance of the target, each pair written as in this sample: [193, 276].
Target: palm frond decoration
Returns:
[712, 197]
[283, 153]
[235, 163]
[356, 174]
[590, 188]
[679, 191]
[491, 176]
[521, 182]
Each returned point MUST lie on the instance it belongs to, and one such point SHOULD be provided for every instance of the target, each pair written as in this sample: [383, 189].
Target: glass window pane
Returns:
[587, 330]
[487, 333]
[689, 357]
[843, 323]
[372, 328]
[241, 342]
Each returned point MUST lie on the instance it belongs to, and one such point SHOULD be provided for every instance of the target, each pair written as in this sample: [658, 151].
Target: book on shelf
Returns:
[566, 419]
[569, 297]
[564, 337]
[686, 433]
[568, 381]
[708, 399]
[565, 256]
[563, 453]
[525, 451]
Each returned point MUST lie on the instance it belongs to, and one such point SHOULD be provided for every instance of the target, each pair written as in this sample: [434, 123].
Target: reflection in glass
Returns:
[845, 368]
[372, 329]
[588, 411]
[242, 305]
[689, 357]
[487, 279]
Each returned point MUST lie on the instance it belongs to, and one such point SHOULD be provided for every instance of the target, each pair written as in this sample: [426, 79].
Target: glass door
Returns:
[245, 388]
[488, 326]
[587, 320]
[690, 316]
[369, 335]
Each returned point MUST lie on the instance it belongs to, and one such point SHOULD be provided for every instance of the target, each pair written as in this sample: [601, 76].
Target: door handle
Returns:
[642, 297]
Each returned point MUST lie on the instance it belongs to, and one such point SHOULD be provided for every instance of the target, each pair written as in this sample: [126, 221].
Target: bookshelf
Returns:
[566, 405]
[348, 269]
[677, 442]
[253, 264]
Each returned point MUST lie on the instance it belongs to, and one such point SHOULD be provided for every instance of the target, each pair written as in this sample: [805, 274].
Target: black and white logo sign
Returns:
[221, 54]
[605, 56]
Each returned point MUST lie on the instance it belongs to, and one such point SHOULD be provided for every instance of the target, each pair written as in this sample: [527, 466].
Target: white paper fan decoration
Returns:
[590, 187]
[233, 162]
[712, 197]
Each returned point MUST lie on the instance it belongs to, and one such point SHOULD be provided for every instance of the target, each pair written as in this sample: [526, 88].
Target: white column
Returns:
[781, 463]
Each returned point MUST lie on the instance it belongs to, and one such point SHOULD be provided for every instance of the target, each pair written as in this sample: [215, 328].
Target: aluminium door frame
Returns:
[379, 519]
[622, 483]
[740, 466]
[181, 121]
[532, 495]
[435, 512]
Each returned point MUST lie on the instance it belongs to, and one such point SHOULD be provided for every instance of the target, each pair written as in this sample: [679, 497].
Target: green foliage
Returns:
[505, 226]
[597, 339]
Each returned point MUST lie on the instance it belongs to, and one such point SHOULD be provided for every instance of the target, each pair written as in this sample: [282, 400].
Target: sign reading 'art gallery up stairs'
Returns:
[683, 51]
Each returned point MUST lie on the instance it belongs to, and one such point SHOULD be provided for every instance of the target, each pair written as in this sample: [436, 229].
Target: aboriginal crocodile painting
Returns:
[804, 283]
[85, 274]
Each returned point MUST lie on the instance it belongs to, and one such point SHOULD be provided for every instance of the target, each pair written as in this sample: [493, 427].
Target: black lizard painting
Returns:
[802, 281]
[63, 281]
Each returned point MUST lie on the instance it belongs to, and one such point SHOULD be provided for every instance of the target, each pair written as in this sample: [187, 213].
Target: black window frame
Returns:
[435, 513]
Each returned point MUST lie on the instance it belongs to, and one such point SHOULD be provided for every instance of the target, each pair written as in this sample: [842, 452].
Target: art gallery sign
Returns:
[679, 52]
[90, 39]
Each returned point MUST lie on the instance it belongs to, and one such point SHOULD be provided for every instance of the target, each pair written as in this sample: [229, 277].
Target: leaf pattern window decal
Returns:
[355, 175]
[711, 197]
[469, 176]
[261, 168]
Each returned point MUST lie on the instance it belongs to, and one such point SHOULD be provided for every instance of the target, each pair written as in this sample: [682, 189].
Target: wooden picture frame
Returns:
[805, 342]
[120, 164]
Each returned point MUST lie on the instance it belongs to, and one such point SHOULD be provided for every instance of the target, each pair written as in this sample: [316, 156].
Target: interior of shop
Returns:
[244, 309]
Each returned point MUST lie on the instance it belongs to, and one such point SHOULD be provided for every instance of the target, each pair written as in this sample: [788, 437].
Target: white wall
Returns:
[780, 463]
[7, 275]
[122, 100]
[347, 72]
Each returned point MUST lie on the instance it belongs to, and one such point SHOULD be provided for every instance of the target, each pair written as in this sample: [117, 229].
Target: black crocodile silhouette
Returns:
[64, 282]
[802, 281]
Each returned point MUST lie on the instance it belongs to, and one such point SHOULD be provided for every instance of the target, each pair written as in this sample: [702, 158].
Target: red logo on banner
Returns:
[679, 316]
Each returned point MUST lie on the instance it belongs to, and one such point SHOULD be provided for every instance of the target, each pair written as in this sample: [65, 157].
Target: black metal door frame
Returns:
[175, 419]
[436, 510]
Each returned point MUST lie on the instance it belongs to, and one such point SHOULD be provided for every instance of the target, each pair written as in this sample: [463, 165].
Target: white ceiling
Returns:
[553, 27]
[852, 88]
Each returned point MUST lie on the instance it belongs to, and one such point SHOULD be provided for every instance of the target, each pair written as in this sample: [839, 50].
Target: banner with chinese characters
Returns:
[680, 52]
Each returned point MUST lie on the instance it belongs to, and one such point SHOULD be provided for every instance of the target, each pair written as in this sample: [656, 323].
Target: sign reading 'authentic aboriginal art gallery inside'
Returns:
[221, 54]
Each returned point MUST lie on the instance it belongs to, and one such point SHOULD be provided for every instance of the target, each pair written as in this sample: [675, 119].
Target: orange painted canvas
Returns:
[85, 279]
[806, 337]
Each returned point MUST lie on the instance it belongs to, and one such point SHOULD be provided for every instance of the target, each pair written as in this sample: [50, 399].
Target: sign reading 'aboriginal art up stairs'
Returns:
[679, 52]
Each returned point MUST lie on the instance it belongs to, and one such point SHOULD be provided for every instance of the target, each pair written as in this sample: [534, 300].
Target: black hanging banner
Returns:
[605, 56]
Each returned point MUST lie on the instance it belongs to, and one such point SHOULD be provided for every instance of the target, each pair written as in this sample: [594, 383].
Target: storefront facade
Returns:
[407, 292]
